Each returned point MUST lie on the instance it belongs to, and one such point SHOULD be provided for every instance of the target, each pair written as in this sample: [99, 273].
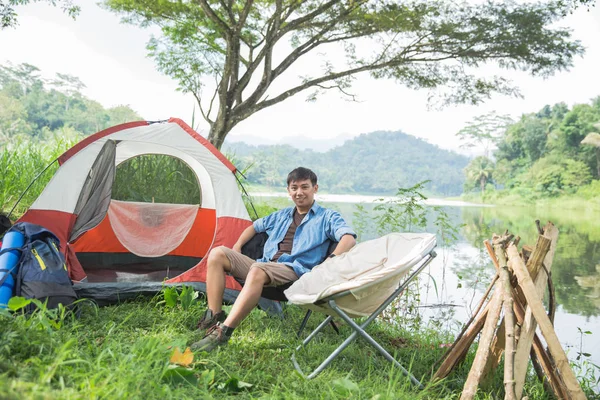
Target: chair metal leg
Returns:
[359, 329]
[335, 328]
[304, 321]
[373, 343]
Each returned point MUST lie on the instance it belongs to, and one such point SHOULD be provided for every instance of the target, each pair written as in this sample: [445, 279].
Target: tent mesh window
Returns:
[154, 202]
[156, 178]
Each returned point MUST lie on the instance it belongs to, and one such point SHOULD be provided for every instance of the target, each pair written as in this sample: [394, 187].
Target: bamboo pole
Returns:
[464, 339]
[496, 352]
[542, 253]
[509, 319]
[499, 339]
[554, 381]
[539, 313]
[483, 350]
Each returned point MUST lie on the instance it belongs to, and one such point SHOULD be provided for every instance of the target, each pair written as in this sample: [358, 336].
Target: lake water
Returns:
[460, 274]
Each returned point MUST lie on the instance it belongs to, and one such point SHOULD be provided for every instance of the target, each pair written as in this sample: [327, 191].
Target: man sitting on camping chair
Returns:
[298, 240]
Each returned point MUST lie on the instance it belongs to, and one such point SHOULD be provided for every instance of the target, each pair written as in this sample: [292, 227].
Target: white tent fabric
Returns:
[371, 271]
[151, 229]
[215, 179]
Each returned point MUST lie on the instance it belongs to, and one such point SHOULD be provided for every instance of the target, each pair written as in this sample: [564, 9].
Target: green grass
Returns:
[123, 352]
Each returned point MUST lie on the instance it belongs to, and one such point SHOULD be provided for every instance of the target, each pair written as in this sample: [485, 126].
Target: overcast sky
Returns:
[110, 58]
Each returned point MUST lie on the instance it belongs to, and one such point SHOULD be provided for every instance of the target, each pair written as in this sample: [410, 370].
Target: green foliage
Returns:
[42, 318]
[479, 173]
[420, 44]
[8, 15]
[544, 155]
[156, 178]
[123, 352]
[406, 212]
[186, 297]
[31, 105]
[591, 191]
[484, 131]
[375, 163]
[552, 176]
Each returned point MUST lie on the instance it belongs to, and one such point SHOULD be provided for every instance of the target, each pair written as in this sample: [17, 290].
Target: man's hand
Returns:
[237, 247]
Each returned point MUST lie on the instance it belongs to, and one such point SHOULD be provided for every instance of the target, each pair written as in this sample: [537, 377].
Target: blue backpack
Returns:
[41, 272]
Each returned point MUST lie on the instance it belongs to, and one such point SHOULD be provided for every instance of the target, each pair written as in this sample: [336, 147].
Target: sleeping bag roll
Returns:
[8, 262]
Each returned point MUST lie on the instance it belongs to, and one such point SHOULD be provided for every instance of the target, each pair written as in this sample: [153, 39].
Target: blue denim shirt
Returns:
[313, 236]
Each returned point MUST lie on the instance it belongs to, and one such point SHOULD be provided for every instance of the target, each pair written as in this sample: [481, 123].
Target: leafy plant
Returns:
[406, 212]
[185, 298]
[42, 317]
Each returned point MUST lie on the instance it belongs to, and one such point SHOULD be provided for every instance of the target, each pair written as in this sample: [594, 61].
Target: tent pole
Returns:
[245, 193]
[27, 188]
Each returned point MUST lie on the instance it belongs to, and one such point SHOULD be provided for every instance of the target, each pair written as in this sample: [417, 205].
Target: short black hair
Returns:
[300, 174]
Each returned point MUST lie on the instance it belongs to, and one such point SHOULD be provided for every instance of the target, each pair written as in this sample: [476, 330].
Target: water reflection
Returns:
[574, 269]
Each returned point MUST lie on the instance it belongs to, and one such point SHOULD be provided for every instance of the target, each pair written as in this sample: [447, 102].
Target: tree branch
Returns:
[341, 89]
[295, 24]
[266, 53]
[228, 10]
[212, 100]
[244, 15]
[210, 13]
[314, 82]
[313, 42]
[204, 115]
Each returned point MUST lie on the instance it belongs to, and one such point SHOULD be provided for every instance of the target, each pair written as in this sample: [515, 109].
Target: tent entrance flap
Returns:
[151, 229]
[95, 194]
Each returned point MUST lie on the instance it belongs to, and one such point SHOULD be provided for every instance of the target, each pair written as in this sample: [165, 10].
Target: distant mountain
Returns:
[373, 163]
[298, 141]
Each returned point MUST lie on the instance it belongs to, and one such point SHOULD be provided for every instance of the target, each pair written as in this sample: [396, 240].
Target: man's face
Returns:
[302, 193]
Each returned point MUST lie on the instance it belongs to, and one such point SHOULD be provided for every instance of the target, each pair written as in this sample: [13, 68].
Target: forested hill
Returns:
[372, 163]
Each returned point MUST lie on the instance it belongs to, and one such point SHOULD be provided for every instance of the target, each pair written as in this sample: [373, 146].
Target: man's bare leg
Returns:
[218, 264]
[248, 297]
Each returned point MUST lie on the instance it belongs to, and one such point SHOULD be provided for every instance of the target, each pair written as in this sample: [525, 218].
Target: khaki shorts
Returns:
[241, 265]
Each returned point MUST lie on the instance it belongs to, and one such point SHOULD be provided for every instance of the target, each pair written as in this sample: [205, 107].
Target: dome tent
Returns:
[118, 249]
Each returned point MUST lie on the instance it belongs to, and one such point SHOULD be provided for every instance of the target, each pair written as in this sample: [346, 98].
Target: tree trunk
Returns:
[217, 134]
[482, 184]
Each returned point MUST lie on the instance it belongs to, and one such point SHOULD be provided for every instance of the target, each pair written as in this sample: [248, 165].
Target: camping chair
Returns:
[362, 283]
[254, 249]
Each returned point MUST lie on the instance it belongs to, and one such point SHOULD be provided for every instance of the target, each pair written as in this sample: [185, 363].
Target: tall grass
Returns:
[22, 159]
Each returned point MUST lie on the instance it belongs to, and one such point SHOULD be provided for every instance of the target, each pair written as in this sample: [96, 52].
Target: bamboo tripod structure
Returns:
[523, 278]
